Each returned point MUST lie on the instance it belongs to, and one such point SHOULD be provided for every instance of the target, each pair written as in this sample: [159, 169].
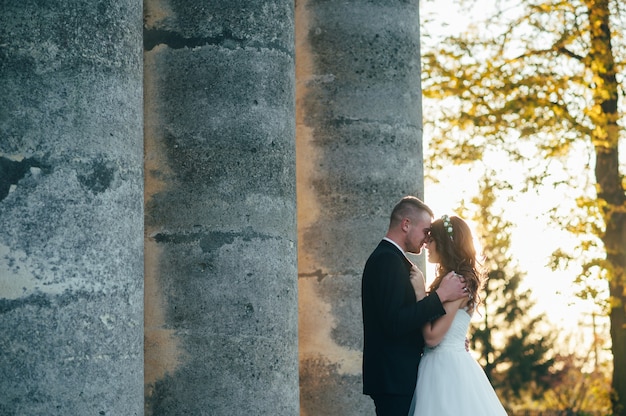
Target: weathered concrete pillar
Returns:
[71, 208]
[358, 152]
[221, 274]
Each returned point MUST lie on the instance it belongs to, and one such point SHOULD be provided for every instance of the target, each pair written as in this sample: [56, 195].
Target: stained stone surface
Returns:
[221, 274]
[359, 141]
[71, 208]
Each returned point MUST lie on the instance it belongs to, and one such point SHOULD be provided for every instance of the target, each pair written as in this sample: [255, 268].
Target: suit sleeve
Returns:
[400, 312]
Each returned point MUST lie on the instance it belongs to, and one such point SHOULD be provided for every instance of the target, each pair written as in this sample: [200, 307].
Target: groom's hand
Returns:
[452, 287]
[418, 282]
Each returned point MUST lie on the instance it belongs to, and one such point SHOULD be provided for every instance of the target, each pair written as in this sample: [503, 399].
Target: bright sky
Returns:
[533, 240]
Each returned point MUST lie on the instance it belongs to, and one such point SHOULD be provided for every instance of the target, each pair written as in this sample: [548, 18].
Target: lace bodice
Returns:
[455, 337]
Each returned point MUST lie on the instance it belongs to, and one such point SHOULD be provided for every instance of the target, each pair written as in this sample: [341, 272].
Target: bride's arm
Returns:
[434, 331]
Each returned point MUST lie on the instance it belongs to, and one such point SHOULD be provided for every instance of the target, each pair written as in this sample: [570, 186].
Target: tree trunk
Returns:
[611, 198]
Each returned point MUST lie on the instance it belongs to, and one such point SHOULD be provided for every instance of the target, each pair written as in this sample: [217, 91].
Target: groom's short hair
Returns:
[408, 207]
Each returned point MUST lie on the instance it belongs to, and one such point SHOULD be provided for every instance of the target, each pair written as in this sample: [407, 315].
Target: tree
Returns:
[515, 350]
[576, 389]
[538, 84]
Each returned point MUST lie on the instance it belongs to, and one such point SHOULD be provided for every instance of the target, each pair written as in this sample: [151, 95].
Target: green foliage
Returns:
[579, 391]
[537, 84]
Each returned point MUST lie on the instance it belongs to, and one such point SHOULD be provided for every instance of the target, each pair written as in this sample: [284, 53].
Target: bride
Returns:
[449, 380]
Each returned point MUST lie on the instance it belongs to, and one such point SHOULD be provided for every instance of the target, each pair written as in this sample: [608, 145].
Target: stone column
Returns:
[71, 208]
[221, 273]
[359, 151]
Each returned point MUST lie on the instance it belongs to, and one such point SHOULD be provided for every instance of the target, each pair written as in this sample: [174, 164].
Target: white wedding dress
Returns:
[450, 382]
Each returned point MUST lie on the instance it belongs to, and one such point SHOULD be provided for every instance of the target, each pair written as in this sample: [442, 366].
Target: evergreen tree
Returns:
[515, 345]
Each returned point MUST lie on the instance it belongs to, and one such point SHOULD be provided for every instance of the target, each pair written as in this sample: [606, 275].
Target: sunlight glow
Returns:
[534, 235]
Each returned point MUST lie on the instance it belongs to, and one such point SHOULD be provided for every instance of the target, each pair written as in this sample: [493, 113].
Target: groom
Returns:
[392, 319]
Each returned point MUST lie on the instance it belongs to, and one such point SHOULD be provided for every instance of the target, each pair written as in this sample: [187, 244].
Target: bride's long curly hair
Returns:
[455, 247]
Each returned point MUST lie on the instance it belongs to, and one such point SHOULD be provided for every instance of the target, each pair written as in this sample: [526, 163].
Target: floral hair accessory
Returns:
[448, 226]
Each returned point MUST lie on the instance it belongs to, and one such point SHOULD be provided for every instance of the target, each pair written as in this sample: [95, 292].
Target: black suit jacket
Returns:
[392, 322]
